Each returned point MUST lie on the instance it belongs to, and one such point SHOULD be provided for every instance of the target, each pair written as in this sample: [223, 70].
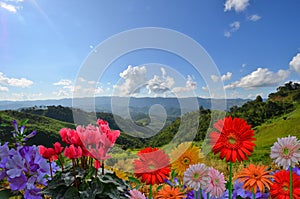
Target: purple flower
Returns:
[33, 193]
[17, 183]
[239, 191]
[190, 195]
[14, 166]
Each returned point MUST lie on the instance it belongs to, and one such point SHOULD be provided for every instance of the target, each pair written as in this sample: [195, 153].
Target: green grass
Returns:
[267, 134]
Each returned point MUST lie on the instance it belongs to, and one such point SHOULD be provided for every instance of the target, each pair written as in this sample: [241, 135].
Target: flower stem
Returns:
[208, 195]
[200, 193]
[230, 180]
[50, 170]
[61, 162]
[291, 182]
[150, 194]
[102, 167]
[74, 173]
[253, 195]
[195, 194]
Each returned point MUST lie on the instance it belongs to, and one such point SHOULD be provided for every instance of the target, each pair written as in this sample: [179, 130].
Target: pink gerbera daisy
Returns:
[216, 187]
[197, 176]
[286, 152]
[135, 194]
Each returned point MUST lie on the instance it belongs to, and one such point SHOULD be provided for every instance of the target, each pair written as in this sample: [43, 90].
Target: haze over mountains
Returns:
[173, 106]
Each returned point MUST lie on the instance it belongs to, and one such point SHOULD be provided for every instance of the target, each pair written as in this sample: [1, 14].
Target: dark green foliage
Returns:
[90, 185]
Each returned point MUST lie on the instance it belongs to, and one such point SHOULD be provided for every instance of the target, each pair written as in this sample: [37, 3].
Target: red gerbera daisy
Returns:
[153, 166]
[234, 139]
[281, 187]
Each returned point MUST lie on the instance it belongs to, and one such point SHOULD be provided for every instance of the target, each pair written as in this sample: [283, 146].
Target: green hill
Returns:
[47, 128]
[267, 133]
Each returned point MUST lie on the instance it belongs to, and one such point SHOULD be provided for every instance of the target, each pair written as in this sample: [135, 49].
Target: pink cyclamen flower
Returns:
[216, 187]
[286, 152]
[135, 194]
[197, 176]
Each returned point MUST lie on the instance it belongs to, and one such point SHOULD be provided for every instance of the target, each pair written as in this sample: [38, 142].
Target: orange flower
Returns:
[170, 193]
[255, 176]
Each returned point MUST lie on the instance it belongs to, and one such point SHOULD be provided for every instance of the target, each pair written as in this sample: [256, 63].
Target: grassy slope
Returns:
[47, 128]
[267, 133]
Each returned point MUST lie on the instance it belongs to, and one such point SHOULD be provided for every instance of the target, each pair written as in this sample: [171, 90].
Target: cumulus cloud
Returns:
[134, 79]
[237, 5]
[3, 88]
[234, 26]
[224, 77]
[260, 78]
[295, 63]
[63, 82]
[11, 5]
[84, 88]
[190, 85]
[159, 85]
[22, 82]
[254, 17]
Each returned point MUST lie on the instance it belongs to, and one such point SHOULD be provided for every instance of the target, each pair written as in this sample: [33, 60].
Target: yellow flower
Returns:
[183, 156]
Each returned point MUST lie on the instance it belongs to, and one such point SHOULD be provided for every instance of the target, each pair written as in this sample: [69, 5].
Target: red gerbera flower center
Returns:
[285, 186]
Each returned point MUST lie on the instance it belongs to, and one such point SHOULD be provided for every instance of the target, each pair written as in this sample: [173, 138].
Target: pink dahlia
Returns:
[216, 187]
[286, 152]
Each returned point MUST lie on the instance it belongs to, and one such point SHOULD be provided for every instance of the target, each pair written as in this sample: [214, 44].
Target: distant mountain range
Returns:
[123, 106]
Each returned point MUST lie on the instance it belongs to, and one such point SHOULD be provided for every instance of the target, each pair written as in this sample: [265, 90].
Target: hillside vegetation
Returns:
[274, 117]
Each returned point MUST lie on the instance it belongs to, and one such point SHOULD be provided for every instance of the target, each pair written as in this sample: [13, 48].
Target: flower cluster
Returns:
[23, 167]
[234, 140]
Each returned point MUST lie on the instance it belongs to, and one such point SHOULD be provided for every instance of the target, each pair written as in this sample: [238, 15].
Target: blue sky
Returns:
[255, 45]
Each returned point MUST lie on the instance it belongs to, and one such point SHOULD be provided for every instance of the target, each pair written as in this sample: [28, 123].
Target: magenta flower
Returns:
[286, 152]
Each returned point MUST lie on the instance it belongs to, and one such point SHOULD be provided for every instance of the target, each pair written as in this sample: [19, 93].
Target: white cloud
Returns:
[22, 82]
[159, 85]
[234, 26]
[63, 82]
[295, 63]
[8, 7]
[237, 5]
[215, 78]
[260, 78]
[254, 17]
[244, 65]
[84, 88]
[190, 85]
[134, 79]
[224, 77]
[3, 88]
[227, 34]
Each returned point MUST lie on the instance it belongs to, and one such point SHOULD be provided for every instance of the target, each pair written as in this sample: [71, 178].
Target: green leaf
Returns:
[71, 193]
[134, 180]
[159, 188]
[173, 174]
[24, 122]
[5, 194]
